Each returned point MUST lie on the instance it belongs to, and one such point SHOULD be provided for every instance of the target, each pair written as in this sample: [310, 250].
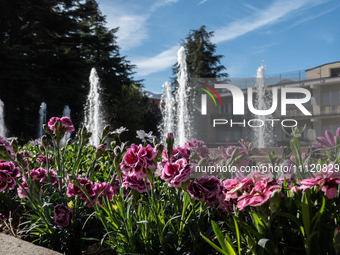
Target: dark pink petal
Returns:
[330, 138]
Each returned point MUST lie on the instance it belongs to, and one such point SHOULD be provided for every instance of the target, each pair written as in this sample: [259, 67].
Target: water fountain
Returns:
[167, 109]
[93, 117]
[66, 113]
[42, 118]
[263, 135]
[3, 130]
[183, 118]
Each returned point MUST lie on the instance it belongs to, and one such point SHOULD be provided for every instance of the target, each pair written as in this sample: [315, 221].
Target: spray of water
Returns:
[3, 130]
[264, 134]
[183, 118]
[93, 117]
[66, 113]
[167, 108]
[42, 118]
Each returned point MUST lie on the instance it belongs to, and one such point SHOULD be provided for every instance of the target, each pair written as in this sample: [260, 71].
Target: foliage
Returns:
[200, 53]
[151, 199]
[48, 48]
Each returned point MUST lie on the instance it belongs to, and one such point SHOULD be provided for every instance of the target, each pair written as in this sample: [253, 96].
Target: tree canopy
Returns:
[201, 58]
[47, 49]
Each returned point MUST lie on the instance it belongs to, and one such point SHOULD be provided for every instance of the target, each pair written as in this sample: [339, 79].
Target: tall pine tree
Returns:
[201, 58]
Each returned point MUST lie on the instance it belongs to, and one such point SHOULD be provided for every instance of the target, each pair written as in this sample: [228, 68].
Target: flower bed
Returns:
[152, 199]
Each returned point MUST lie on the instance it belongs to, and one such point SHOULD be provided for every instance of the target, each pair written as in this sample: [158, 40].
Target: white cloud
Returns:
[132, 27]
[311, 17]
[261, 18]
[202, 2]
[157, 63]
[160, 3]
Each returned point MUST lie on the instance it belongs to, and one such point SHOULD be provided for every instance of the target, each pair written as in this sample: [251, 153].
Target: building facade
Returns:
[323, 82]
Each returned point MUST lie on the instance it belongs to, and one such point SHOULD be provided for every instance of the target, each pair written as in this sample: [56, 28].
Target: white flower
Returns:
[120, 130]
[145, 136]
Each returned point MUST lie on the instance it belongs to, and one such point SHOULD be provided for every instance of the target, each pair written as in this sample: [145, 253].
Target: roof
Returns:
[322, 65]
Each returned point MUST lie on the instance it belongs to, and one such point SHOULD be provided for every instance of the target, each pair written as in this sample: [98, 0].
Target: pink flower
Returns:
[10, 168]
[100, 190]
[37, 174]
[8, 171]
[52, 121]
[137, 159]
[67, 123]
[182, 175]
[6, 181]
[73, 190]
[64, 121]
[63, 215]
[207, 189]
[101, 147]
[328, 141]
[329, 186]
[133, 182]
[22, 191]
[198, 147]
[177, 153]
[230, 184]
[42, 159]
[258, 196]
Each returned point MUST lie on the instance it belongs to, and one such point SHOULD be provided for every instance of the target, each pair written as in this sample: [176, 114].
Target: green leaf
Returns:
[238, 236]
[215, 246]
[305, 203]
[226, 245]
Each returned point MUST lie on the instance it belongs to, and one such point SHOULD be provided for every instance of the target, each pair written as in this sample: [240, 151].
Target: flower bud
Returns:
[69, 141]
[100, 150]
[4, 155]
[296, 194]
[275, 200]
[113, 144]
[41, 148]
[116, 150]
[44, 141]
[106, 130]
[14, 145]
[154, 141]
[20, 160]
[47, 130]
[88, 135]
[83, 131]
[159, 148]
[193, 155]
[96, 168]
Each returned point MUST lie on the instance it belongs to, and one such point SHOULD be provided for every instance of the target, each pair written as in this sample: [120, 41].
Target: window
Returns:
[335, 72]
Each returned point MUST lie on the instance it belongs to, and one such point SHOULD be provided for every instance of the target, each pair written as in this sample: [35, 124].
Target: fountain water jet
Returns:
[167, 109]
[93, 117]
[183, 118]
[42, 118]
[264, 134]
[3, 130]
[66, 113]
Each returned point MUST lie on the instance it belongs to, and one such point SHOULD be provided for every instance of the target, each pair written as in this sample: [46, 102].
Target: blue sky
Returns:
[288, 35]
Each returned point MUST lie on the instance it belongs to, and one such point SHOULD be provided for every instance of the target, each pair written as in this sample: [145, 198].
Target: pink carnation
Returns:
[133, 182]
[207, 189]
[137, 159]
[65, 122]
[260, 194]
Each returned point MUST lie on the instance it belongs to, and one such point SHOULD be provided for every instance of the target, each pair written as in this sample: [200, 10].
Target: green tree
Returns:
[201, 58]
